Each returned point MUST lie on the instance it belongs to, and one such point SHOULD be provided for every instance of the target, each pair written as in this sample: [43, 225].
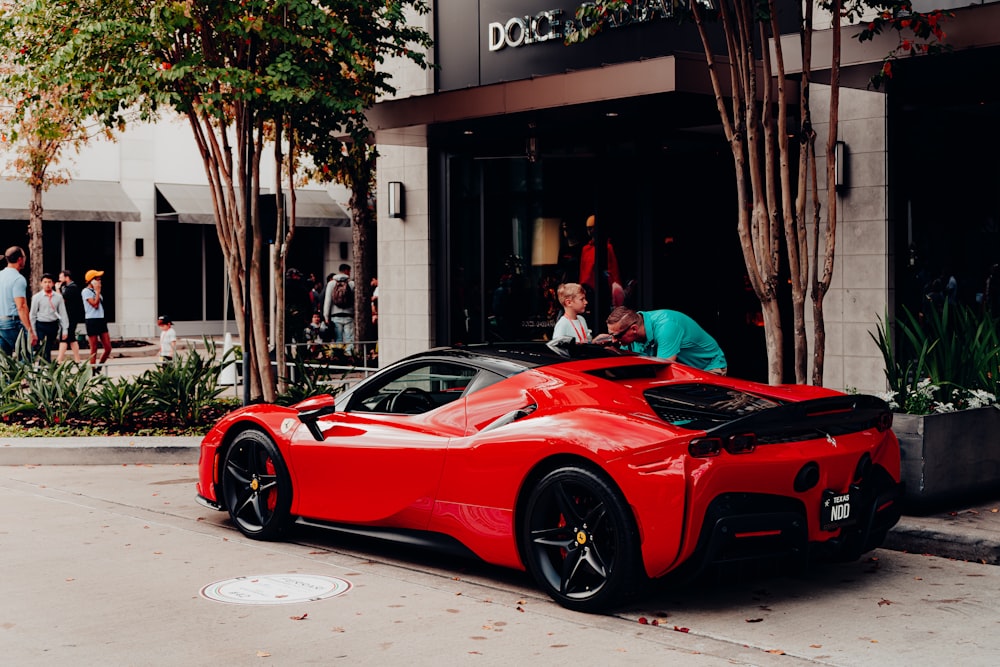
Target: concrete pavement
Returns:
[965, 531]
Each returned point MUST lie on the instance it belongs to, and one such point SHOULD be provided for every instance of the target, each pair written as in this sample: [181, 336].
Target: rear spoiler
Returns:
[819, 417]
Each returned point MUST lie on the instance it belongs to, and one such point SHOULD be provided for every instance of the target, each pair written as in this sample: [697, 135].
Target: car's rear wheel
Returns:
[579, 540]
[256, 486]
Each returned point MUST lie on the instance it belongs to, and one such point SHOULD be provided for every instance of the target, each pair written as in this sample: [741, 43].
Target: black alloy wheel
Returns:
[579, 541]
[256, 486]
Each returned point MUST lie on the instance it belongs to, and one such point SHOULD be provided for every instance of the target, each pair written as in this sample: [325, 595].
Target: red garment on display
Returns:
[587, 261]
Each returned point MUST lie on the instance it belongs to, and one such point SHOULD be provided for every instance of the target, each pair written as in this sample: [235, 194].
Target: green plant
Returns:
[57, 391]
[118, 403]
[13, 368]
[949, 359]
[187, 386]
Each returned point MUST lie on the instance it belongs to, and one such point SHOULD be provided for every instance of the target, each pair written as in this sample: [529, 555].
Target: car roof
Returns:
[508, 358]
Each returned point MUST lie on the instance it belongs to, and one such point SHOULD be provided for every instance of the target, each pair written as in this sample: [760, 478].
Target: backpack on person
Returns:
[343, 296]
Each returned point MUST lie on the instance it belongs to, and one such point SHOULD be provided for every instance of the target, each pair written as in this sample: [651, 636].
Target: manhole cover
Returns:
[275, 589]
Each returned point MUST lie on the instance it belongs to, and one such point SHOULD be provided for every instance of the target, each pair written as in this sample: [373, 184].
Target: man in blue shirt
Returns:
[667, 334]
[14, 314]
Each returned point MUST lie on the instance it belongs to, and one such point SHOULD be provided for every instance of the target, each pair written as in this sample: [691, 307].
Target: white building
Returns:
[139, 209]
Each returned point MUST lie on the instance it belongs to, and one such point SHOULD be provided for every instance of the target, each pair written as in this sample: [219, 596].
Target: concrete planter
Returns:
[949, 456]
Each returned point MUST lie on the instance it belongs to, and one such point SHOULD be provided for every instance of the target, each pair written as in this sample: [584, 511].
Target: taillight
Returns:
[705, 447]
[743, 443]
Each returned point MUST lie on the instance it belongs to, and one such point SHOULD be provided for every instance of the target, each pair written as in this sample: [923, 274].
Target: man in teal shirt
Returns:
[667, 334]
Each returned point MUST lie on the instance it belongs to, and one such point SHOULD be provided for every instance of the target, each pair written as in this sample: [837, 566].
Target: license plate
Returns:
[837, 510]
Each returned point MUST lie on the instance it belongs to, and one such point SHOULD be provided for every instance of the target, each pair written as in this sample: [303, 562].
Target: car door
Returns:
[381, 458]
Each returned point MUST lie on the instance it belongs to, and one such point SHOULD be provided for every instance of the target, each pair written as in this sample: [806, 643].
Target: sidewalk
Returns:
[969, 531]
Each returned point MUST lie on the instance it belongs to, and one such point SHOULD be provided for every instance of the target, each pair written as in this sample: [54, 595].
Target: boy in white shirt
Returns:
[571, 324]
[168, 338]
[48, 315]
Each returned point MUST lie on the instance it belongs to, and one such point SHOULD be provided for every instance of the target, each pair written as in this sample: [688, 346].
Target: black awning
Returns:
[81, 201]
[192, 204]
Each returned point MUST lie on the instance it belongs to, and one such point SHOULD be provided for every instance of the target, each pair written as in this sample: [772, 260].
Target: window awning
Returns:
[192, 204]
[80, 201]
[315, 208]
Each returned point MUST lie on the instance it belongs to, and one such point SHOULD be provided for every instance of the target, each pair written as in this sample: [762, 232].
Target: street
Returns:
[107, 565]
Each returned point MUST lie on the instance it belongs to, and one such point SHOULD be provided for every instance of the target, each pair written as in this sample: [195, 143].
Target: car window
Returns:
[414, 389]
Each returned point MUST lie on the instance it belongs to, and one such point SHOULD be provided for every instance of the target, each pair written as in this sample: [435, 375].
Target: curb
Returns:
[110, 450]
[935, 537]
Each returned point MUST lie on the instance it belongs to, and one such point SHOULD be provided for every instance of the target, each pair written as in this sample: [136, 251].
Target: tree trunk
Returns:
[35, 248]
[821, 286]
[365, 261]
[282, 240]
[259, 315]
[774, 340]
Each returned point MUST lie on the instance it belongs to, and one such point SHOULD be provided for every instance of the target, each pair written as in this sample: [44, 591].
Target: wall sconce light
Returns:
[840, 164]
[396, 200]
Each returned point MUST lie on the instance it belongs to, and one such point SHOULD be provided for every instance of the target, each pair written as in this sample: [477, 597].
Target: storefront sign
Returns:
[521, 30]
[551, 24]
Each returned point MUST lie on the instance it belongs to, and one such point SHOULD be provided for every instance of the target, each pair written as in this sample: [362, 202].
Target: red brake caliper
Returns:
[272, 493]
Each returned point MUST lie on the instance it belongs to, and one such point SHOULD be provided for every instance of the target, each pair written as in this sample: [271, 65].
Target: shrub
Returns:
[118, 403]
[185, 387]
[949, 360]
[57, 392]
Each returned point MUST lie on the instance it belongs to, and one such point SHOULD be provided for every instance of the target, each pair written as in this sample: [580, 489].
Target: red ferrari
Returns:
[592, 468]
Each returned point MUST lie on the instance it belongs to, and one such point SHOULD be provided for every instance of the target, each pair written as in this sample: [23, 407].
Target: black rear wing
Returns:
[806, 420]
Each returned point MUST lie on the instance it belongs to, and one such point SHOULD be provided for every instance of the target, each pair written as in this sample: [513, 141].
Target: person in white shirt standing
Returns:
[572, 324]
[48, 316]
[168, 338]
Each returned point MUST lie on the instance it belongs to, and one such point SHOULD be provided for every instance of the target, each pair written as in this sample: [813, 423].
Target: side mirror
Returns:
[311, 420]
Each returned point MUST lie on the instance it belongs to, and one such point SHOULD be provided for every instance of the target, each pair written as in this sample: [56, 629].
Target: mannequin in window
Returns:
[588, 268]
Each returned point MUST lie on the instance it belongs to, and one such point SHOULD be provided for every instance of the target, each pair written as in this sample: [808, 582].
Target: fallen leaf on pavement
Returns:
[680, 629]
[883, 602]
[776, 651]
[642, 620]
[299, 618]
[263, 654]
[815, 646]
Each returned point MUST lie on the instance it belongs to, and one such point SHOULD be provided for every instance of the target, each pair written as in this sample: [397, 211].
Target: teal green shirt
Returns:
[670, 333]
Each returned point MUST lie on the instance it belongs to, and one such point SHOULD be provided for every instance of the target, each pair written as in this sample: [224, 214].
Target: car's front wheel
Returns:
[579, 540]
[256, 486]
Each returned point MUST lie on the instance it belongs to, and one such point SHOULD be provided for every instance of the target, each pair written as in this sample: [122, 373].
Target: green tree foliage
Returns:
[296, 72]
[37, 125]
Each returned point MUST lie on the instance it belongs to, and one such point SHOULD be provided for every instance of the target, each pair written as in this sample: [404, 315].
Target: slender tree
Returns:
[243, 74]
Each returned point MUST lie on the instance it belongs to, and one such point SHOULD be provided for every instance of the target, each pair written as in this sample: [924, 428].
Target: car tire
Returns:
[579, 541]
[256, 486]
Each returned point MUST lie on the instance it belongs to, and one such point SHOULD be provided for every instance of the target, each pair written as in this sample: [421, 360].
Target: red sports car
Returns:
[592, 468]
